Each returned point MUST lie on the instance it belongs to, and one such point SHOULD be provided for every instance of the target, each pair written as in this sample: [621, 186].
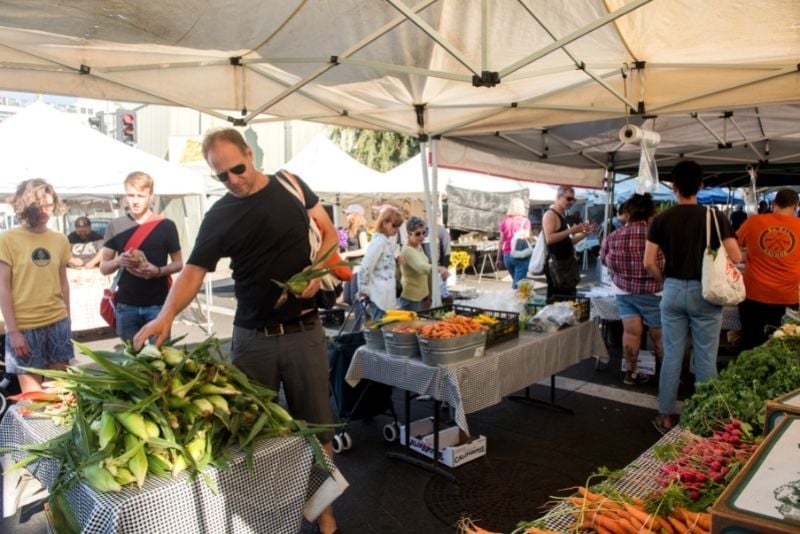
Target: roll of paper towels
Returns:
[634, 134]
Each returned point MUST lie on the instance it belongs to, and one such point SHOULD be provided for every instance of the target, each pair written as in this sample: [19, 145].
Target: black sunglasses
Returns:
[238, 169]
[398, 225]
[420, 233]
[570, 199]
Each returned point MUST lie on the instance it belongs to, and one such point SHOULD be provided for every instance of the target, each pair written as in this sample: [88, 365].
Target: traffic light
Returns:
[126, 126]
[98, 122]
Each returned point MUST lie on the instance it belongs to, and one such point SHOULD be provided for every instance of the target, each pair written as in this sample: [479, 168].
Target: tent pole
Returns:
[608, 185]
[433, 224]
[423, 148]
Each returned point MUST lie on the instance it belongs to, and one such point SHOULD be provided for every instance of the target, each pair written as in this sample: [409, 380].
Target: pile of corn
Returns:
[161, 412]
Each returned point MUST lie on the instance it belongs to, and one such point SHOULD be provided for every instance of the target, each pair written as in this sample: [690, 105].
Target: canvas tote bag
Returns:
[536, 265]
[723, 284]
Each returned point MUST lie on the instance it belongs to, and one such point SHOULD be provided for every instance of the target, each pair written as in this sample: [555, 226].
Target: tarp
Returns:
[725, 141]
[446, 67]
[42, 142]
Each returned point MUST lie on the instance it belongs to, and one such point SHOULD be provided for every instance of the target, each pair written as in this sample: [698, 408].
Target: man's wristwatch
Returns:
[160, 273]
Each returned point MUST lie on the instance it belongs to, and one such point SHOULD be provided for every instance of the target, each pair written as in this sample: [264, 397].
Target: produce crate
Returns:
[582, 304]
[506, 328]
[332, 318]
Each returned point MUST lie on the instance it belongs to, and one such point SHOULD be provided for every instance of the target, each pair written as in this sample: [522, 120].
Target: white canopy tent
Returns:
[427, 67]
[42, 142]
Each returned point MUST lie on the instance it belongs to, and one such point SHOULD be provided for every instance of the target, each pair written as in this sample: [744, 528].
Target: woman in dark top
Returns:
[680, 233]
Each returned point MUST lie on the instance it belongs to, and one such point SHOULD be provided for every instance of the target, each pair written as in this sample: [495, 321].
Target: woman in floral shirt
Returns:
[638, 304]
[377, 278]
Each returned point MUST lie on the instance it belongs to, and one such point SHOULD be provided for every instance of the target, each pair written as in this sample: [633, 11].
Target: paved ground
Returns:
[532, 453]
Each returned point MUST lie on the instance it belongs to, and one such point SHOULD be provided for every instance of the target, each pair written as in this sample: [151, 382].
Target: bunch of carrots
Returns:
[609, 516]
[606, 515]
[450, 327]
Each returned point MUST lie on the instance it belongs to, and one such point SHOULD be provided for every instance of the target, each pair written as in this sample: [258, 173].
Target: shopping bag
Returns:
[723, 284]
[108, 307]
[538, 257]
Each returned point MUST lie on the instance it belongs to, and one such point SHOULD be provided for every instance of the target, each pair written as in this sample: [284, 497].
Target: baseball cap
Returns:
[354, 208]
[82, 222]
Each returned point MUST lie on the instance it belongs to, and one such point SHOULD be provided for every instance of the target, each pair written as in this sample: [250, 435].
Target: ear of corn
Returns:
[108, 429]
[133, 423]
[138, 462]
[100, 479]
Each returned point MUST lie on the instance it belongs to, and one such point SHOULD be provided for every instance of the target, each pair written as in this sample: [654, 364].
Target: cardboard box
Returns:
[764, 498]
[777, 409]
[645, 363]
[455, 447]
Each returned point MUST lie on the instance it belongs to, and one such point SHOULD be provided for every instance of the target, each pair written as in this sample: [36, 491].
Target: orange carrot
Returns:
[677, 525]
[616, 527]
[641, 516]
[701, 520]
[601, 530]
[588, 494]
[665, 525]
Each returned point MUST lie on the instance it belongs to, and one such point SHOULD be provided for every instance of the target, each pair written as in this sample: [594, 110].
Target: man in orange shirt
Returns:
[772, 272]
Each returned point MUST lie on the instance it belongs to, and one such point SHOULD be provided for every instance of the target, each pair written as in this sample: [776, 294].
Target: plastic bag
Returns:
[536, 265]
[554, 316]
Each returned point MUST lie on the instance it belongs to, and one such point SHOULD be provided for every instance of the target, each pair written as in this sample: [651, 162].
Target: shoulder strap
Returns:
[291, 185]
[141, 233]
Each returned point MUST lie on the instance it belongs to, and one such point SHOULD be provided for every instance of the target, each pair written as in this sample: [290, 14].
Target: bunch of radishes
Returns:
[705, 465]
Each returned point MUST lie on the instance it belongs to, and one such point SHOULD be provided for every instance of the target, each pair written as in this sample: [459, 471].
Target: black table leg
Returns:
[540, 403]
[406, 455]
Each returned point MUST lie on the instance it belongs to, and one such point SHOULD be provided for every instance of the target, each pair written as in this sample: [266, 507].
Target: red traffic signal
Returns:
[126, 126]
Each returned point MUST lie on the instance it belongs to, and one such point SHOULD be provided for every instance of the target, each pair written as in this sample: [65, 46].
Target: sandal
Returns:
[664, 423]
[635, 378]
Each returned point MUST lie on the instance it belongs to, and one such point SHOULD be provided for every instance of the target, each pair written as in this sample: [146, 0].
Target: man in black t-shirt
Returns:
[262, 226]
[85, 245]
[143, 280]
[680, 233]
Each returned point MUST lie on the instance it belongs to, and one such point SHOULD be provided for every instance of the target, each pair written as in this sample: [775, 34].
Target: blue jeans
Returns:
[517, 268]
[410, 305]
[684, 311]
[130, 319]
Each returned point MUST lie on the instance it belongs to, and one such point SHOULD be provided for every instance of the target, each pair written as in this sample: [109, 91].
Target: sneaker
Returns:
[635, 378]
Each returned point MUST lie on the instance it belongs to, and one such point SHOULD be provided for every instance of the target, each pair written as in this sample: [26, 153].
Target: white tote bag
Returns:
[536, 265]
[722, 282]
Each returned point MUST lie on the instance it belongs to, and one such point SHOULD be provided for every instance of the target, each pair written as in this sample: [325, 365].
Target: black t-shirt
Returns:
[85, 248]
[162, 241]
[680, 233]
[266, 237]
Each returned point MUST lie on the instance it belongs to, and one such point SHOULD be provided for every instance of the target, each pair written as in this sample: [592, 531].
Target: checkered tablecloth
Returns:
[481, 382]
[605, 308]
[284, 484]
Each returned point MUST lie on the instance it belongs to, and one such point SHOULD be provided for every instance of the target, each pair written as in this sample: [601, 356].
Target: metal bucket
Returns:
[450, 356]
[374, 339]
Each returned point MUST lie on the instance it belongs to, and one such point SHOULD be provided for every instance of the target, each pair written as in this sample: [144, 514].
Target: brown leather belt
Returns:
[301, 324]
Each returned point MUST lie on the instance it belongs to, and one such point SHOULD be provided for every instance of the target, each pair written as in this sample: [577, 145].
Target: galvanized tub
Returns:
[436, 357]
[374, 339]
[402, 344]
